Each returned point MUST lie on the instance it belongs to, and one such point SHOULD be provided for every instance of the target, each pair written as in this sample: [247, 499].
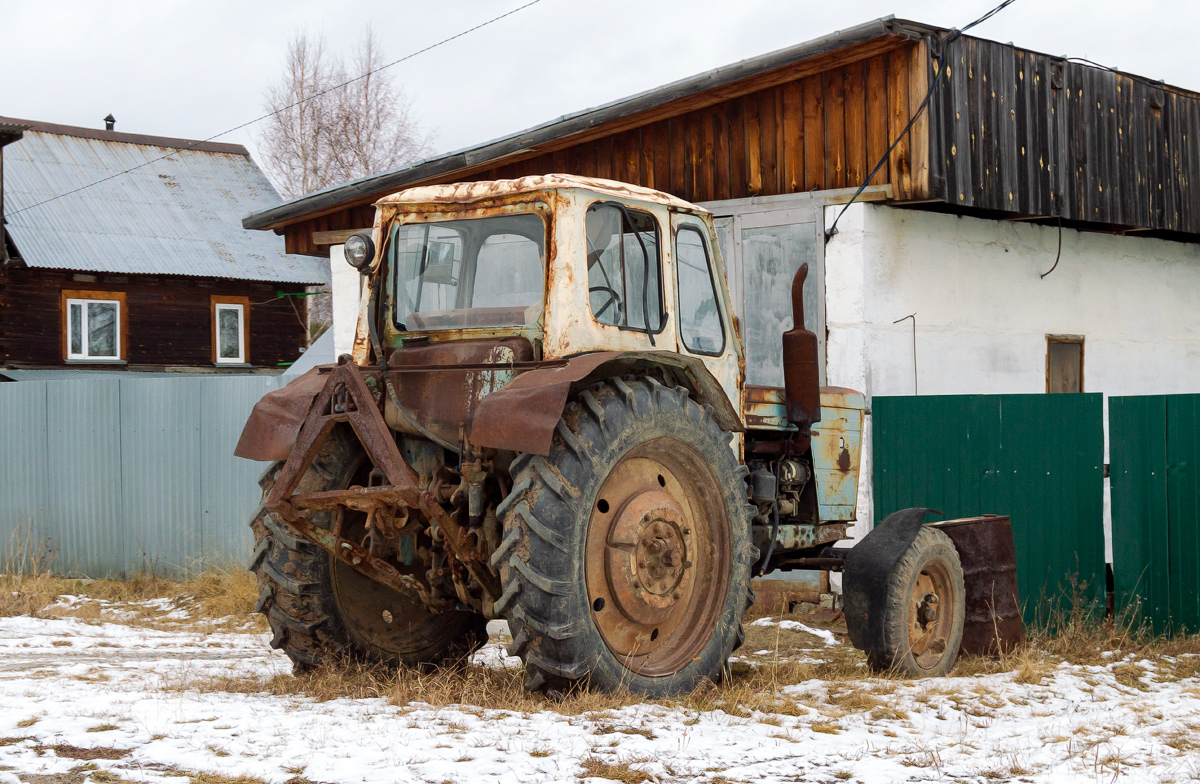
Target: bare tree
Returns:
[321, 133]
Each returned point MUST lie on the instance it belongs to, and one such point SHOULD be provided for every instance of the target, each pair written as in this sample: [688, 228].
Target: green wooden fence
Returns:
[1154, 444]
[1038, 458]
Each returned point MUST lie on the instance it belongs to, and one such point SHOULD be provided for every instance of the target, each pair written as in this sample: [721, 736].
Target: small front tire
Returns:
[925, 609]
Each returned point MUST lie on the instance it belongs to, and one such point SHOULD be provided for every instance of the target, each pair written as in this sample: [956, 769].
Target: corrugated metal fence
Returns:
[1154, 442]
[1038, 458]
[118, 476]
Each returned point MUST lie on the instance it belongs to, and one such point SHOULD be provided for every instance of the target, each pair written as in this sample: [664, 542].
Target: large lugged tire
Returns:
[626, 555]
[322, 611]
[922, 635]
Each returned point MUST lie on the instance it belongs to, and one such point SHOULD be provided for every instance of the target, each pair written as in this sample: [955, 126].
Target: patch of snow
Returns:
[1078, 724]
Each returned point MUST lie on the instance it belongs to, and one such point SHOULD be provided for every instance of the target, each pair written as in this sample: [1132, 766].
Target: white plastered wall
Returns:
[983, 312]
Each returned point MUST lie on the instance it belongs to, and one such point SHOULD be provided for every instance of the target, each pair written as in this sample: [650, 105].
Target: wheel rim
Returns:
[932, 606]
[658, 557]
[372, 613]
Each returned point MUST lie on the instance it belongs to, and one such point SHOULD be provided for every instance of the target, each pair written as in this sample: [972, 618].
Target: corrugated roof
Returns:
[177, 216]
[319, 353]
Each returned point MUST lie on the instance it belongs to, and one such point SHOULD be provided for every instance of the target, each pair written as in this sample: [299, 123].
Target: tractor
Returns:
[544, 419]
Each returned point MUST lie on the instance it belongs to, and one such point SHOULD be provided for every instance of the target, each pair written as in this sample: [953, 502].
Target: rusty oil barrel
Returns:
[989, 560]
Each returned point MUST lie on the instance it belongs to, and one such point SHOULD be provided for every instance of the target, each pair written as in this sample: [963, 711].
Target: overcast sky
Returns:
[192, 69]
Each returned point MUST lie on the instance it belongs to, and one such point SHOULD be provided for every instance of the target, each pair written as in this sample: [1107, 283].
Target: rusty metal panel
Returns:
[837, 450]
[765, 408]
[993, 612]
[1037, 458]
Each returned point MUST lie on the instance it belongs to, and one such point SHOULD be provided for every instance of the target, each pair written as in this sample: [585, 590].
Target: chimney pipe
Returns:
[801, 370]
[109, 122]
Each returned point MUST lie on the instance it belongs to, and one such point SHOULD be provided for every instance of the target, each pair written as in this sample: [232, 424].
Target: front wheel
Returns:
[925, 609]
[627, 554]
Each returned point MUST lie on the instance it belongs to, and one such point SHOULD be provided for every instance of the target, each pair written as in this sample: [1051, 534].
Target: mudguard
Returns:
[867, 571]
[274, 423]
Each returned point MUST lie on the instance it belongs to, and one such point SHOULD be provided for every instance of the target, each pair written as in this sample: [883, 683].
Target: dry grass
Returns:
[617, 771]
[30, 583]
[213, 598]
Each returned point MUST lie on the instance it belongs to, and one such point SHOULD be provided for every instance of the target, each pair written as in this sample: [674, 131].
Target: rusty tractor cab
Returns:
[545, 420]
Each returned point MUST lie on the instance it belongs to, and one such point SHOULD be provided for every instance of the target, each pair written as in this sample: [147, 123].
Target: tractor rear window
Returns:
[624, 267]
[462, 274]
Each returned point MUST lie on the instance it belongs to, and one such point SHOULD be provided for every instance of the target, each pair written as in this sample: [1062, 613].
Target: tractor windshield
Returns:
[463, 274]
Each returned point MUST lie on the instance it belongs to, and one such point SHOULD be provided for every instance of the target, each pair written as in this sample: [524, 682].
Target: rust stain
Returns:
[470, 192]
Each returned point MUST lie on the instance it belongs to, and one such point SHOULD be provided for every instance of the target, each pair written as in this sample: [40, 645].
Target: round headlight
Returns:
[359, 251]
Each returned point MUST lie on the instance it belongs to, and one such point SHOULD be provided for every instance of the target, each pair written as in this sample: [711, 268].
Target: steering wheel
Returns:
[613, 297]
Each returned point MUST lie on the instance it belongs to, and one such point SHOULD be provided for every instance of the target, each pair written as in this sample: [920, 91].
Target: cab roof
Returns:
[469, 192]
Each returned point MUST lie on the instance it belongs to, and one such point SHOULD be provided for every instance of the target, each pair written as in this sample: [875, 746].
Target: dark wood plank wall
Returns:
[817, 133]
[169, 320]
[1030, 134]
[821, 130]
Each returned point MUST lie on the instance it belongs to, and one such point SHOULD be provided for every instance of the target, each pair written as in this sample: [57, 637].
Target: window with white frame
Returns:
[93, 329]
[229, 333]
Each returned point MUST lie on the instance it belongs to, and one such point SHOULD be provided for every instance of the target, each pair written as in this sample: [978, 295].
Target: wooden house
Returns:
[124, 251]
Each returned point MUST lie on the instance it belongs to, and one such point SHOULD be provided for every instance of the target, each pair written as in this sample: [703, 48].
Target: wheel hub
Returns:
[657, 558]
[929, 623]
[647, 563]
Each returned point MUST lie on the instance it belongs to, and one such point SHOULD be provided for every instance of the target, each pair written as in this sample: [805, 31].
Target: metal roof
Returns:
[376, 185]
[319, 353]
[175, 216]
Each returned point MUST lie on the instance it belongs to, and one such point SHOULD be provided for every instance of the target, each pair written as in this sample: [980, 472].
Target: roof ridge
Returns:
[197, 145]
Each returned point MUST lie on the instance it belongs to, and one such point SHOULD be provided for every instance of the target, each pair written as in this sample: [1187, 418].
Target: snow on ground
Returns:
[71, 690]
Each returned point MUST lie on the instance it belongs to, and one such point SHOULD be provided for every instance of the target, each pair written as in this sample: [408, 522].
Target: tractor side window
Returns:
[624, 267]
[699, 314]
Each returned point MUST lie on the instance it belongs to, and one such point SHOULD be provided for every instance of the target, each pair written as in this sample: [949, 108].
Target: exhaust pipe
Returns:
[801, 371]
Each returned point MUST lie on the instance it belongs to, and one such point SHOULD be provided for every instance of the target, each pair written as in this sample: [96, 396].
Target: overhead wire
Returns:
[950, 38]
[268, 115]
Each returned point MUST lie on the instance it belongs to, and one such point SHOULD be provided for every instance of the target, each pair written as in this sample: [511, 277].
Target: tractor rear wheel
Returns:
[626, 557]
[925, 609]
[322, 611]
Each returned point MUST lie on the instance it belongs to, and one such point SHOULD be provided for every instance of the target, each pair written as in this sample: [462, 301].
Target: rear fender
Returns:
[522, 415]
[274, 423]
[868, 570]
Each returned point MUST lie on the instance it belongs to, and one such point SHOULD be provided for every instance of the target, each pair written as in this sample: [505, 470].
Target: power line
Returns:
[346, 83]
[949, 39]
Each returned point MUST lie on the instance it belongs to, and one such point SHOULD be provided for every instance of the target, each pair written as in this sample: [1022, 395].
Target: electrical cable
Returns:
[280, 111]
[949, 39]
[1058, 255]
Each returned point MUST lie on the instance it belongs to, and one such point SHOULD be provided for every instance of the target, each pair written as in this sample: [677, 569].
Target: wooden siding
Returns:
[1035, 135]
[821, 125]
[168, 321]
